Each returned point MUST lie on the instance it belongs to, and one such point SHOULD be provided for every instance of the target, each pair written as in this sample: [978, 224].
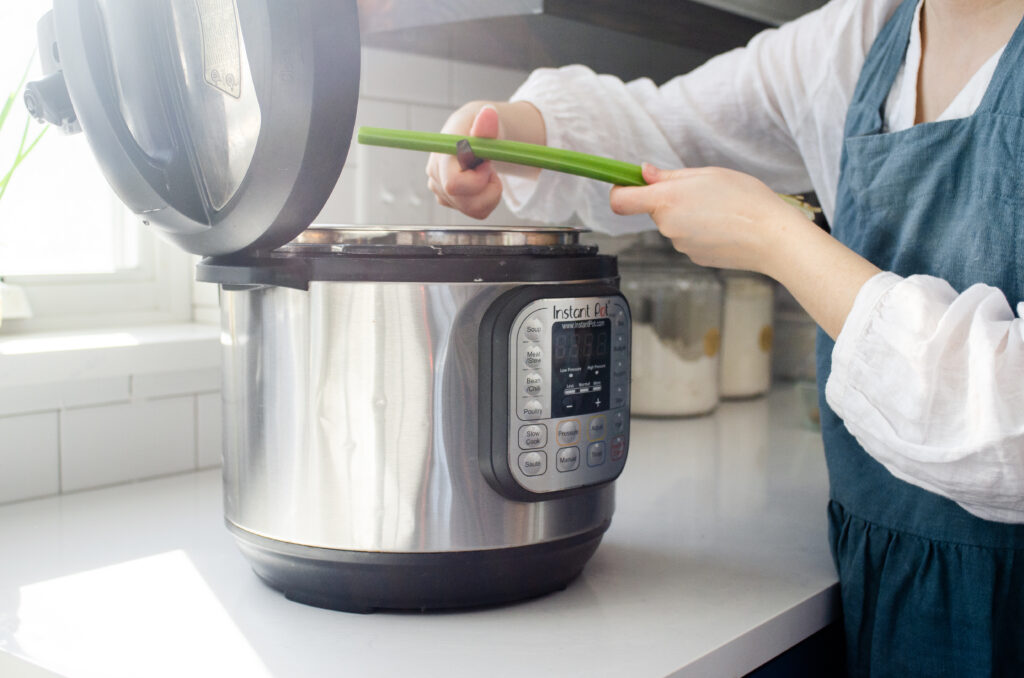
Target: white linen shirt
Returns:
[929, 381]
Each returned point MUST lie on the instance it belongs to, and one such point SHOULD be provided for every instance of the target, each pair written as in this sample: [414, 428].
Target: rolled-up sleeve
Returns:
[748, 109]
[931, 384]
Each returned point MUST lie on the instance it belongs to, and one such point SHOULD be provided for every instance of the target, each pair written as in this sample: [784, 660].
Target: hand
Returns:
[731, 220]
[473, 192]
[718, 217]
[476, 192]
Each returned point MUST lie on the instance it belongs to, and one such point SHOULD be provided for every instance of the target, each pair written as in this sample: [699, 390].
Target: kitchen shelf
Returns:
[654, 38]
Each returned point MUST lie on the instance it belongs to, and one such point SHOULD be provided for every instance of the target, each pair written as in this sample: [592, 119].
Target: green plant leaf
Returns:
[13, 96]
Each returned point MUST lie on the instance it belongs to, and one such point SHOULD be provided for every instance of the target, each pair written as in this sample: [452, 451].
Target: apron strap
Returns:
[883, 62]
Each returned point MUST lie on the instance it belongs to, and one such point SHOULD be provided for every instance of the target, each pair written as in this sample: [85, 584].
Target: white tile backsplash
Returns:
[28, 456]
[118, 443]
[181, 382]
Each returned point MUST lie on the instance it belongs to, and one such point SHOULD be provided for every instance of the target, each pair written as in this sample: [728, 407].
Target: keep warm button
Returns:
[533, 463]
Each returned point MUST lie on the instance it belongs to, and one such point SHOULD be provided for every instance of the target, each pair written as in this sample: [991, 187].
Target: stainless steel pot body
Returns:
[350, 422]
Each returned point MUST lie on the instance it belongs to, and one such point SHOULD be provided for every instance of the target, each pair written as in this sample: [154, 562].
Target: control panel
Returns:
[568, 381]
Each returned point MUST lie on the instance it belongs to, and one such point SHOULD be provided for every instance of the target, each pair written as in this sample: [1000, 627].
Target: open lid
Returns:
[224, 123]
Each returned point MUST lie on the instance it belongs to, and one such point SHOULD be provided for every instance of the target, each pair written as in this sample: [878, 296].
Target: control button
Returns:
[532, 384]
[568, 432]
[595, 454]
[619, 422]
[570, 404]
[619, 317]
[597, 428]
[531, 409]
[618, 447]
[533, 329]
[533, 436]
[567, 459]
[533, 463]
[619, 369]
[618, 396]
[532, 357]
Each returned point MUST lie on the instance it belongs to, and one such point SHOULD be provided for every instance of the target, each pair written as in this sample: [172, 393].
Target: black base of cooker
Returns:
[362, 581]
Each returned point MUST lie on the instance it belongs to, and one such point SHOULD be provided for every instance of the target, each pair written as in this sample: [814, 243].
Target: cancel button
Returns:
[533, 463]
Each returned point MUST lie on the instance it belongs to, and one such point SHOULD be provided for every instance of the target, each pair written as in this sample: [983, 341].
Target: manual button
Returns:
[568, 432]
[533, 436]
[567, 459]
[533, 463]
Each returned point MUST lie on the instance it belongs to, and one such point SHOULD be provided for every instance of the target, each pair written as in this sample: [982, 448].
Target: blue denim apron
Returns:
[927, 589]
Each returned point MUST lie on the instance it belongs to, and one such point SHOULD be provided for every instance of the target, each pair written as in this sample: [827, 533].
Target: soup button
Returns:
[533, 463]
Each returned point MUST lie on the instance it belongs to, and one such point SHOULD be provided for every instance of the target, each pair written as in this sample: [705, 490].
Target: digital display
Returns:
[580, 374]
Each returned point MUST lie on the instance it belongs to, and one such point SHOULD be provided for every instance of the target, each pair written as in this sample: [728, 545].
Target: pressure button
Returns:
[533, 463]
[568, 432]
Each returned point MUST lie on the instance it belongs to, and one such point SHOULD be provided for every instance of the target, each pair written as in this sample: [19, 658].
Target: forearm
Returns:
[820, 272]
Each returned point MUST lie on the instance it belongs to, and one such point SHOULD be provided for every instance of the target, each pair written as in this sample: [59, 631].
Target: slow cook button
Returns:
[568, 432]
[618, 447]
[595, 454]
[531, 409]
[533, 463]
[533, 330]
[597, 428]
[532, 384]
[532, 357]
[533, 436]
[567, 459]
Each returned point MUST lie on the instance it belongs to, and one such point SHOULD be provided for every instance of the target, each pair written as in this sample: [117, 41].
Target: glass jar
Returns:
[677, 328]
[747, 334]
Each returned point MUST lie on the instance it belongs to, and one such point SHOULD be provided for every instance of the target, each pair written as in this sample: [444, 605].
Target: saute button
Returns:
[532, 384]
[531, 409]
[618, 447]
[532, 357]
[567, 459]
[533, 463]
[595, 454]
[533, 329]
[533, 436]
[568, 432]
[597, 428]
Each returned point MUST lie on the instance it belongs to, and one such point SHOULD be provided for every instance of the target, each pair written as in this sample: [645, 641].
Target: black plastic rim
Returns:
[362, 581]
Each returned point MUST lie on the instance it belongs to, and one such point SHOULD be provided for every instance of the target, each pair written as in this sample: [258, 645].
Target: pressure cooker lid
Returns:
[224, 123]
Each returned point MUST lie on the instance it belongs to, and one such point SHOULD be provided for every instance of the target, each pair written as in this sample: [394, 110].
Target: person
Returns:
[907, 120]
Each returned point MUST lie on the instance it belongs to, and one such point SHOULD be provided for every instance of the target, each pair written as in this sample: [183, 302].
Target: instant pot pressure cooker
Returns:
[414, 417]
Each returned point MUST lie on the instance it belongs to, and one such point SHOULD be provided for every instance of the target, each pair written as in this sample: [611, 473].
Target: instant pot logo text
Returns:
[573, 312]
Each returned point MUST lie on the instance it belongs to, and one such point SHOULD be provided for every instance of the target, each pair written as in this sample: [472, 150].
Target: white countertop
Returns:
[715, 562]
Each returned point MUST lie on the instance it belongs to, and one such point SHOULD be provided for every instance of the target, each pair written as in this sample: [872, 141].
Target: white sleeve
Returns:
[745, 109]
[931, 384]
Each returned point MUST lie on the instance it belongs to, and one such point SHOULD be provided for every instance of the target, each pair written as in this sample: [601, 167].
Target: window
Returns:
[81, 257]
